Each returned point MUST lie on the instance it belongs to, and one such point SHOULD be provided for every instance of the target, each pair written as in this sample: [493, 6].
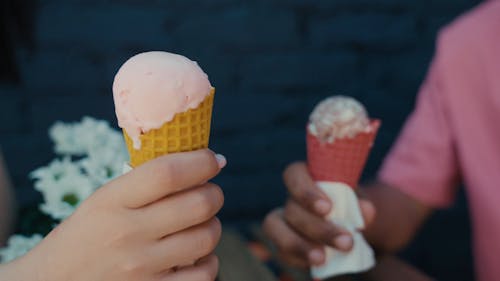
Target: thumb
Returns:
[165, 176]
[367, 207]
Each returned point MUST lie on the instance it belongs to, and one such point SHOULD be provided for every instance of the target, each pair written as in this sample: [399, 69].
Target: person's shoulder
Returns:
[479, 26]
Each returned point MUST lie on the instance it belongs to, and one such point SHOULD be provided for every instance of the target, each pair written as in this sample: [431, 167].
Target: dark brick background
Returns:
[271, 62]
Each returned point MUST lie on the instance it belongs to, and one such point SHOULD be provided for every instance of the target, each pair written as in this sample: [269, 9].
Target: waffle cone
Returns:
[187, 131]
[340, 161]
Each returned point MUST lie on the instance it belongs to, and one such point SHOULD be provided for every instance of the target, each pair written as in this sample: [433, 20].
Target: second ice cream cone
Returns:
[340, 161]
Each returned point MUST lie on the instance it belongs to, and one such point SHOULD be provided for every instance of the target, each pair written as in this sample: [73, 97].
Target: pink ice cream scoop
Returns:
[151, 88]
[338, 117]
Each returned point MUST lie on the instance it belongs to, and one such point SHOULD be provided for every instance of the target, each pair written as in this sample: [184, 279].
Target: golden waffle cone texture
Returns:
[187, 131]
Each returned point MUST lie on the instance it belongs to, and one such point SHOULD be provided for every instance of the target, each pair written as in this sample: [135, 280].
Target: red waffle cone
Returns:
[340, 161]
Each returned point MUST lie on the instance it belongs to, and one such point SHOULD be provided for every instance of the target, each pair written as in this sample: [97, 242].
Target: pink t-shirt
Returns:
[453, 135]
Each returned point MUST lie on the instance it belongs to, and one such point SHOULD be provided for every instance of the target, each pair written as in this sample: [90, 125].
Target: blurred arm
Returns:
[388, 268]
[392, 268]
[398, 217]
[7, 203]
[421, 172]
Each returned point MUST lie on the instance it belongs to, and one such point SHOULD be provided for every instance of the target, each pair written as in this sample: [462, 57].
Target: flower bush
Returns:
[89, 153]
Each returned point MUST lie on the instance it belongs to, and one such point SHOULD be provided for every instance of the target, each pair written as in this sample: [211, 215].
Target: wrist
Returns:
[20, 270]
[10, 271]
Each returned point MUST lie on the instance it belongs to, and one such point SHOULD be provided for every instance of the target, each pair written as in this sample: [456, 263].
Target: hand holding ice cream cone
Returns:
[339, 138]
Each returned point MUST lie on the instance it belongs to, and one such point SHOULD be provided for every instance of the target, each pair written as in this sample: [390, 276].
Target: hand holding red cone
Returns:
[339, 138]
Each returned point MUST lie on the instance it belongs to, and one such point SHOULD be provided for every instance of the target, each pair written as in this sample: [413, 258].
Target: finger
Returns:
[165, 175]
[292, 248]
[205, 269]
[315, 228]
[303, 189]
[366, 206]
[368, 211]
[294, 261]
[166, 216]
[186, 246]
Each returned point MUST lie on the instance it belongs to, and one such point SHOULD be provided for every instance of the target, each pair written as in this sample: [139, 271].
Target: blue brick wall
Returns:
[271, 62]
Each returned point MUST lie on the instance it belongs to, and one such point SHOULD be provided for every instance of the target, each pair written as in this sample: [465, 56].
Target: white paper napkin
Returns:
[345, 213]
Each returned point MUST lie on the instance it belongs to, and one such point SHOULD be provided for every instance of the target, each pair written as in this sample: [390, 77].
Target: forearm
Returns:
[7, 204]
[6, 272]
[388, 268]
[398, 218]
[15, 272]
[392, 268]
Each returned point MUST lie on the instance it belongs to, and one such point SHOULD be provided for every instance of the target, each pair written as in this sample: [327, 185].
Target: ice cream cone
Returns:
[340, 161]
[187, 131]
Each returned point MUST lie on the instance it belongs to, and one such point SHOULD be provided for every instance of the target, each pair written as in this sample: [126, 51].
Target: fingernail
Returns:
[316, 257]
[343, 242]
[221, 160]
[322, 206]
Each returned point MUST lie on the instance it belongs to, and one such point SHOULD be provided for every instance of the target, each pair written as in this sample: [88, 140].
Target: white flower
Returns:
[104, 164]
[17, 246]
[64, 183]
[63, 186]
[82, 137]
[65, 140]
[105, 156]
